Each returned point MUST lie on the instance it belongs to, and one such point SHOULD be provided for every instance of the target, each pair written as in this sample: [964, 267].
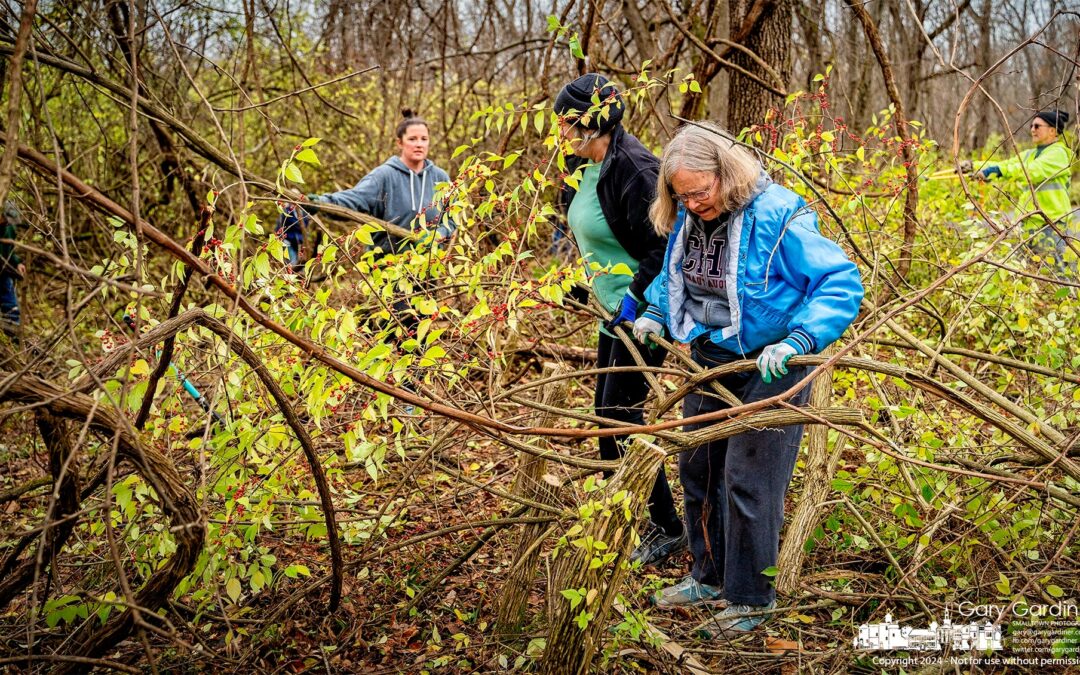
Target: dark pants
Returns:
[734, 488]
[9, 302]
[621, 396]
[295, 264]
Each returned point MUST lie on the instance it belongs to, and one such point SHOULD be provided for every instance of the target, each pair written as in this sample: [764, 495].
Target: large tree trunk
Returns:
[982, 62]
[772, 42]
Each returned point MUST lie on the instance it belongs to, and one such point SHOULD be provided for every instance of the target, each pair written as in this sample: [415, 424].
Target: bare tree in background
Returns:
[771, 43]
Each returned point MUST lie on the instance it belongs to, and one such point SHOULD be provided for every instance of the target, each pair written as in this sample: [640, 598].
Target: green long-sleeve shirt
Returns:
[1050, 169]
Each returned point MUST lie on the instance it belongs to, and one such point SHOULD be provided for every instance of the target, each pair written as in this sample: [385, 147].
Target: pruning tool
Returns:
[129, 321]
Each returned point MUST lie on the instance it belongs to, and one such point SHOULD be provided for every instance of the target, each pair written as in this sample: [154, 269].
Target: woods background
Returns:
[312, 523]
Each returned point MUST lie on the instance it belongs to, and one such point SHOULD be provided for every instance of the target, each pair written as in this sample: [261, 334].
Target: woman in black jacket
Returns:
[609, 216]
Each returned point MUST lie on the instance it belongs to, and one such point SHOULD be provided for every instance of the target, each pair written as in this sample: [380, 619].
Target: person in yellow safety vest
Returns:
[1049, 167]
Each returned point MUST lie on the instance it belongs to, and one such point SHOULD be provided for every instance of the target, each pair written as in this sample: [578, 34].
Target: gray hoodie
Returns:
[395, 193]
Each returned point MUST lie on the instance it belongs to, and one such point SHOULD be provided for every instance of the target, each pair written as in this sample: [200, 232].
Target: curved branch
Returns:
[176, 500]
[169, 328]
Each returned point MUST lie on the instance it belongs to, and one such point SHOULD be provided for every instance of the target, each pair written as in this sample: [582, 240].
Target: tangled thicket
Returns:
[315, 521]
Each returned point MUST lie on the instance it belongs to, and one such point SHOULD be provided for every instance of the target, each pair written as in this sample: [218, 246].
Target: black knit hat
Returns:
[576, 99]
[1055, 118]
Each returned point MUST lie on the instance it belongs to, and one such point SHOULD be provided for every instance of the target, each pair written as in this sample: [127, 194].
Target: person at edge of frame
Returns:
[12, 269]
[1049, 167]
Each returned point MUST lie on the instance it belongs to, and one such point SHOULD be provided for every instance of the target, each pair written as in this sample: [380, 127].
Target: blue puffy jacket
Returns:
[785, 280]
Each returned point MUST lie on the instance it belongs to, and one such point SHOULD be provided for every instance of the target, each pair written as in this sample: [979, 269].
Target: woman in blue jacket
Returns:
[609, 216]
[746, 275]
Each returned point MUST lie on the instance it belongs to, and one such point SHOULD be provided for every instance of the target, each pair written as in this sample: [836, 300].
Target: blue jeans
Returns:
[733, 489]
[9, 302]
[294, 254]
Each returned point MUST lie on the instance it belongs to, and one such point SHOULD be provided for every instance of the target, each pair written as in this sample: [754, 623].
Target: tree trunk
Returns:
[529, 484]
[570, 645]
[771, 42]
[983, 60]
[817, 484]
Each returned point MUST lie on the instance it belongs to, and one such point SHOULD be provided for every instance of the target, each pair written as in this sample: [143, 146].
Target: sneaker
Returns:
[688, 592]
[733, 621]
[657, 546]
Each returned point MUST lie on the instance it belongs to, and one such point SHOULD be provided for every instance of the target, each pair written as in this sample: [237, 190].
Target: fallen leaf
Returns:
[780, 646]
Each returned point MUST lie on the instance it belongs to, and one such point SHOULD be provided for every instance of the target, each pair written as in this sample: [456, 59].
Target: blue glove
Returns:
[627, 311]
[991, 172]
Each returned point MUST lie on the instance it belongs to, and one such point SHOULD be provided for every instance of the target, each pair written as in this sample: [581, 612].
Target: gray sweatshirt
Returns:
[395, 193]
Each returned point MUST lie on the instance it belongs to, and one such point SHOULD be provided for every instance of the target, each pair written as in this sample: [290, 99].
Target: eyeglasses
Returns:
[700, 195]
[1039, 126]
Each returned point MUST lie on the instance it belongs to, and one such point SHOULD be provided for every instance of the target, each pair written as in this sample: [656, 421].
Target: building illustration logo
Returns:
[888, 635]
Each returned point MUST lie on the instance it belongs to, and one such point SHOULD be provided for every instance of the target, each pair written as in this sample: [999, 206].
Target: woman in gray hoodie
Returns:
[401, 190]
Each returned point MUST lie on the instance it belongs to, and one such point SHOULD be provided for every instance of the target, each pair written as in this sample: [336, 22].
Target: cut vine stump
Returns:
[817, 486]
[529, 484]
[593, 562]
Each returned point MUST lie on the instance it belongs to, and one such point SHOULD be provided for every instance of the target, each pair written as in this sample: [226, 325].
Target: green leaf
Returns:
[233, 589]
[1002, 585]
[622, 268]
[583, 619]
[575, 47]
[308, 155]
[363, 235]
[292, 172]
[573, 596]
[310, 142]
[771, 571]
[1055, 591]
[433, 353]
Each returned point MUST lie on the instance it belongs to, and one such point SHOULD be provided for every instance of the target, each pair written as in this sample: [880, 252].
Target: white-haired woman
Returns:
[746, 275]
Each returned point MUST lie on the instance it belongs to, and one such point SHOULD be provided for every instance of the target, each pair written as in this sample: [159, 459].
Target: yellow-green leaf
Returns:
[308, 155]
[292, 172]
[233, 589]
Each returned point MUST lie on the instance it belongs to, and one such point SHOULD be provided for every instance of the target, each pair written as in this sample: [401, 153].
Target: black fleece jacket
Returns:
[626, 187]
